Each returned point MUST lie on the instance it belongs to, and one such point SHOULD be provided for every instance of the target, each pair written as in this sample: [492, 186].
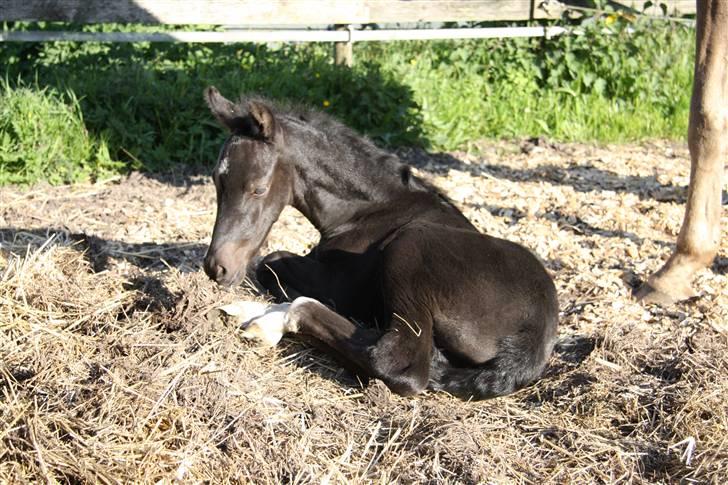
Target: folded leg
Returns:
[399, 356]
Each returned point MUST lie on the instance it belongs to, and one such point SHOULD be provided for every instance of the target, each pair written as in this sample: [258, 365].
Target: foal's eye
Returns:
[259, 191]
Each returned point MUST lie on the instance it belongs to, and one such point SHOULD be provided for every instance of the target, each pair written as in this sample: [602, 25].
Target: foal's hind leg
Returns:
[400, 356]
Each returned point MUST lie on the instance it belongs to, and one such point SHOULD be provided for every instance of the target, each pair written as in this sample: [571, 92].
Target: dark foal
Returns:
[401, 287]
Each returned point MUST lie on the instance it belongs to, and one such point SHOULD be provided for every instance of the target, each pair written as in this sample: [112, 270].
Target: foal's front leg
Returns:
[343, 284]
[287, 276]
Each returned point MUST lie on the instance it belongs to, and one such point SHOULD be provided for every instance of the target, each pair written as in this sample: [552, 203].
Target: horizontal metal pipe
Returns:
[283, 35]
[180, 36]
[470, 33]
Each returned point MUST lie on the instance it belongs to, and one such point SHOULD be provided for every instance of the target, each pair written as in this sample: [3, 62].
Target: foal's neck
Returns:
[339, 179]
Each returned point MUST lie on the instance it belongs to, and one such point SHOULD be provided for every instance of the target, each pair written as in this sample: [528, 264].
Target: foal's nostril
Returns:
[219, 272]
[214, 270]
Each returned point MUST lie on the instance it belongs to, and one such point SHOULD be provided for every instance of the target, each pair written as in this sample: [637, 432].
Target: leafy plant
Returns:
[618, 79]
[43, 137]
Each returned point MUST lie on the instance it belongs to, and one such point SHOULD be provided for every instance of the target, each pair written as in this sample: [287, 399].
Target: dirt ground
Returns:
[112, 370]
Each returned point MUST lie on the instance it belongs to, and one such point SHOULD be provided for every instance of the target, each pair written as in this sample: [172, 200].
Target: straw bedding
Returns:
[114, 369]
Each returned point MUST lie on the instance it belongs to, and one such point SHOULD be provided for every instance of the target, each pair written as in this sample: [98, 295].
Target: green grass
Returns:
[143, 102]
[43, 137]
[605, 88]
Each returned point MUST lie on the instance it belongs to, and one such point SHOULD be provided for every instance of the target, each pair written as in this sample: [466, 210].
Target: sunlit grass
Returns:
[67, 103]
[43, 137]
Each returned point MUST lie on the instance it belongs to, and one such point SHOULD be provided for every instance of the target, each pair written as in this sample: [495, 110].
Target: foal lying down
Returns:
[401, 287]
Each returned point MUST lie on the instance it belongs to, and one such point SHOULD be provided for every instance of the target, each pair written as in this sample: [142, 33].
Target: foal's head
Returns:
[252, 186]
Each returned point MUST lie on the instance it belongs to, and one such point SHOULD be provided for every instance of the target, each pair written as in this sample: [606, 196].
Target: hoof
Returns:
[650, 293]
[259, 321]
[243, 310]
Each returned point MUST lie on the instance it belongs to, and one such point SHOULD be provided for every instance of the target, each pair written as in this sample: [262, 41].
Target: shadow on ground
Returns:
[98, 251]
[581, 177]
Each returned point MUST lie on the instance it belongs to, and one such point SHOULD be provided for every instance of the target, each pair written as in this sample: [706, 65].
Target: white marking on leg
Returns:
[292, 316]
[269, 327]
[263, 322]
[301, 300]
[245, 310]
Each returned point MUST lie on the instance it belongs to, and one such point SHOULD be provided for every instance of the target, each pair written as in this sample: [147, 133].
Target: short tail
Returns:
[510, 370]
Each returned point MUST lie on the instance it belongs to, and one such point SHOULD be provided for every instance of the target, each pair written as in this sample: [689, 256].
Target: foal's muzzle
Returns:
[226, 264]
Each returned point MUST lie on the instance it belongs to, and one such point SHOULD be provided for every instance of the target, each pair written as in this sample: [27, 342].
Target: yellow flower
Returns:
[610, 20]
[317, 75]
[326, 103]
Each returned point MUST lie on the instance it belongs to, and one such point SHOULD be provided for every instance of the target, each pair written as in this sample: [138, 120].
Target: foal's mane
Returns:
[299, 114]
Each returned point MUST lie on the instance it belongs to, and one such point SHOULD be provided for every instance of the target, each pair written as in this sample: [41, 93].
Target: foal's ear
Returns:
[263, 119]
[224, 110]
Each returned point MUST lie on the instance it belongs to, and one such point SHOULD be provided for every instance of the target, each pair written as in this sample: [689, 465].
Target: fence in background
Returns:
[293, 19]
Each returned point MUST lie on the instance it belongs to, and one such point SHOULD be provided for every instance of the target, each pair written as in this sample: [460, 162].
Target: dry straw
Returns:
[111, 369]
